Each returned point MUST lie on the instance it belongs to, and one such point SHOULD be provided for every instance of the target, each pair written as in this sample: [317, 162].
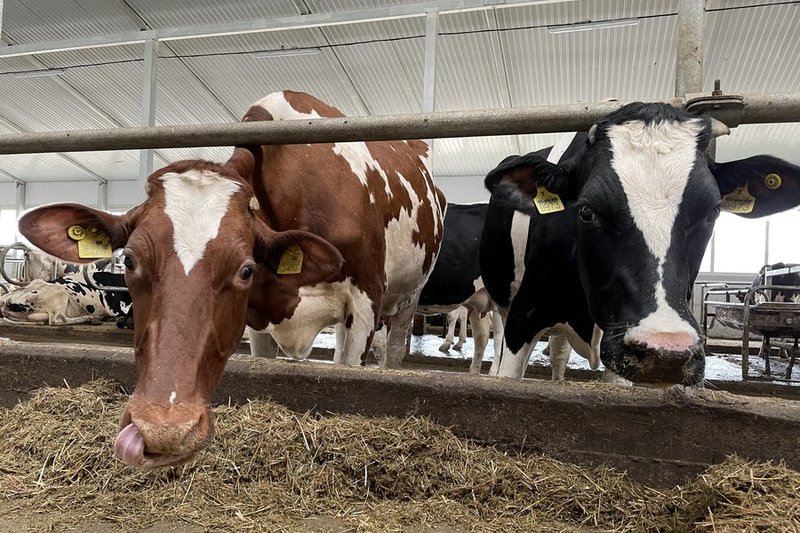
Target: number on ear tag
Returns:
[547, 202]
[738, 201]
[93, 243]
[291, 260]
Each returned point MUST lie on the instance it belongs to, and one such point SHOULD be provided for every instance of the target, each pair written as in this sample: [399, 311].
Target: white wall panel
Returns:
[122, 195]
[8, 195]
[462, 189]
[83, 192]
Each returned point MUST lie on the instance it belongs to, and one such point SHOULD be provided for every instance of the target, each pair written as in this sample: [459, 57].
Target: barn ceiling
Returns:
[497, 57]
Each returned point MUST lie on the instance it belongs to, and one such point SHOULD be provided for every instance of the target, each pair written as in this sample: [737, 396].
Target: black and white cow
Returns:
[64, 301]
[456, 280]
[640, 200]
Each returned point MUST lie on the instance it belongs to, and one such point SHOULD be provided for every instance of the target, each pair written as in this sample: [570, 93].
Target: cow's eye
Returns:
[586, 214]
[129, 263]
[246, 272]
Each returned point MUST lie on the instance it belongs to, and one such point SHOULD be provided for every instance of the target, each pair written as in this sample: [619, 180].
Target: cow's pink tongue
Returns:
[129, 445]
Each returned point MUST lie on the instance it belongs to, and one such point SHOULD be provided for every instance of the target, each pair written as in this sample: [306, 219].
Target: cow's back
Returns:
[457, 267]
[375, 201]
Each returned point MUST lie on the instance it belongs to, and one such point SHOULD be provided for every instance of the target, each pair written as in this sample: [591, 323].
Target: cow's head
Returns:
[645, 199]
[29, 304]
[196, 254]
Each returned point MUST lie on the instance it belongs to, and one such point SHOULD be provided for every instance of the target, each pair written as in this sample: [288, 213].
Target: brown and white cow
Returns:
[288, 239]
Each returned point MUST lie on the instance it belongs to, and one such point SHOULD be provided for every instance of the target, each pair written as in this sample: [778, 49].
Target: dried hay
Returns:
[269, 469]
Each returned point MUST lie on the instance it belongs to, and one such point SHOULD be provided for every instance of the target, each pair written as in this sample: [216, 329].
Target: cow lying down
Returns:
[66, 300]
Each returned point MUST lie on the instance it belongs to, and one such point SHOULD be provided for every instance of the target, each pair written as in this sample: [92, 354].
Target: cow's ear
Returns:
[517, 180]
[757, 186]
[59, 229]
[296, 257]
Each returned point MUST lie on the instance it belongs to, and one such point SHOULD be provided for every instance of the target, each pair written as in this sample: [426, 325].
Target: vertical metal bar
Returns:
[712, 254]
[429, 79]
[689, 56]
[766, 242]
[102, 195]
[148, 108]
[19, 205]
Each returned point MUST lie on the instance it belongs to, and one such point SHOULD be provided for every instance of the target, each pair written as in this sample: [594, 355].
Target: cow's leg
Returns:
[396, 345]
[559, 356]
[498, 324]
[379, 344]
[480, 334]
[513, 364]
[262, 344]
[59, 319]
[462, 315]
[361, 319]
[452, 320]
[613, 378]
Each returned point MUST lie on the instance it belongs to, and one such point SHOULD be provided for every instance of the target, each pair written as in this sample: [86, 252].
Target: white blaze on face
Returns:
[653, 163]
[195, 201]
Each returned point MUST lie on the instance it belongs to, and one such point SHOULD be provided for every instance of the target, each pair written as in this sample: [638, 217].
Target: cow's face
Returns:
[30, 303]
[645, 202]
[195, 251]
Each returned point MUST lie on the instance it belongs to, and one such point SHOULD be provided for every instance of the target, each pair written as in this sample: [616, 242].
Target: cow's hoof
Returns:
[445, 348]
[458, 346]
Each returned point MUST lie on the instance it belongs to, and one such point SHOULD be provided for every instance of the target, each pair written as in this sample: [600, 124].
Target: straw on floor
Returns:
[270, 469]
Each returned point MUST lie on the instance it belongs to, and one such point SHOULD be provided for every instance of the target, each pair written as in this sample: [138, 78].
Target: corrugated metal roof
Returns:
[494, 58]
[34, 21]
[178, 13]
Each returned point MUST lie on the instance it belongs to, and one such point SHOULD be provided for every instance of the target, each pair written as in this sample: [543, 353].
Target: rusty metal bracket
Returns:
[727, 108]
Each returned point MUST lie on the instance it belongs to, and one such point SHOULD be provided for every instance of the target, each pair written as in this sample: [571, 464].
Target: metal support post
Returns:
[429, 73]
[689, 58]
[19, 206]
[102, 195]
[148, 109]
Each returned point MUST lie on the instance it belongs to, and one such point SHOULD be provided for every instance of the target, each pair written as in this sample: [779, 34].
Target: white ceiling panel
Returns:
[42, 167]
[178, 13]
[754, 50]
[388, 76]
[248, 42]
[628, 63]
[35, 21]
[241, 80]
[471, 156]
[542, 15]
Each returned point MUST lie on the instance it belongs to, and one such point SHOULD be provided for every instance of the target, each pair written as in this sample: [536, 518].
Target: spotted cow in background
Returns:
[287, 239]
[640, 199]
[66, 300]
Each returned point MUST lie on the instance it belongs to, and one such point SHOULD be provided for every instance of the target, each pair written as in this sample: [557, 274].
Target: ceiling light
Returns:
[40, 73]
[588, 26]
[287, 52]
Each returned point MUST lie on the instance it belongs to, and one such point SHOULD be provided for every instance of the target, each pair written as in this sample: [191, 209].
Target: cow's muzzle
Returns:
[153, 436]
[643, 364]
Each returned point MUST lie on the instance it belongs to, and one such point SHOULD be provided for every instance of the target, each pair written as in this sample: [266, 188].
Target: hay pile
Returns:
[269, 468]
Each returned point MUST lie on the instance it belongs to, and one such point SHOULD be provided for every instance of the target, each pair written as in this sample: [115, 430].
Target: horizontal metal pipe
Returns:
[540, 119]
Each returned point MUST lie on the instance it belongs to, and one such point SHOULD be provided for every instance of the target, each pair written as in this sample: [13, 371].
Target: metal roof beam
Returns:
[274, 24]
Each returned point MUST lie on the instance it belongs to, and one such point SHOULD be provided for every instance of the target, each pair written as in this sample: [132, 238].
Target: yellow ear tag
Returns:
[772, 181]
[92, 243]
[547, 202]
[738, 201]
[291, 260]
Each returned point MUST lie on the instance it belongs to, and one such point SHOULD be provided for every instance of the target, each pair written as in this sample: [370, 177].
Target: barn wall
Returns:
[39, 193]
[463, 189]
[8, 193]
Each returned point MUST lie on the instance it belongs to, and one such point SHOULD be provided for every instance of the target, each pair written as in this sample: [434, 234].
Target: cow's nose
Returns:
[169, 438]
[677, 341]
